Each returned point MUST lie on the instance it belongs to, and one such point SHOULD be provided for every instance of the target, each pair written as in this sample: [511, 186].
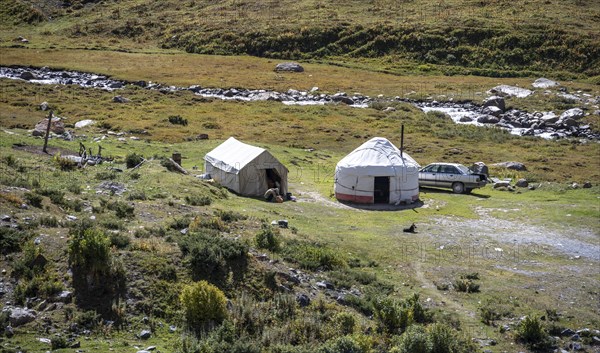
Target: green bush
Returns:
[122, 209]
[74, 188]
[210, 255]
[178, 120]
[313, 256]
[344, 323]
[268, 238]
[34, 199]
[198, 200]
[120, 241]
[345, 344]
[12, 239]
[58, 342]
[465, 283]
[414, 340]
[396, 316]
[133, 159]
[137, 195]
[88, 319]
[531, 332]
[56, 196]
[89, 251]
[230, 216]
[204, 305]
[442, 339]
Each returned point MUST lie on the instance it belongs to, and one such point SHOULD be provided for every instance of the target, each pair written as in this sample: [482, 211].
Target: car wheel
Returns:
[458, 188]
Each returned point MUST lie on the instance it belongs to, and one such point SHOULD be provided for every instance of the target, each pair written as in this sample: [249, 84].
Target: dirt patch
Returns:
[313, 196]
[51, 151]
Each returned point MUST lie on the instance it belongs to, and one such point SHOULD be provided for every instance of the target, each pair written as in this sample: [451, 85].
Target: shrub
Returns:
[89, 251]
[178, 120]
[268, 238]
[213, 223]
[414, 340]
[58, 342]
[312, 256]
[74, 188]
[64, 164]
[88, 319]
[122, 209]
[119, 240]
[106, 175]
[48, 221]
[344, 323]
[34, 199]
[198, 200]
[137, 195]
[394, 316]
[531, 332]
[132, 160]
[466, 285]
[11, 240]
[180, 223]
[442, 339]
[230, 216]
[204, 305]
[343, 344]
[56, 196]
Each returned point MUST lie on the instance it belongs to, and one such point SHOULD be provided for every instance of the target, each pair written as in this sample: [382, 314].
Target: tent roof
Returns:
[377, 152]
[233, 155]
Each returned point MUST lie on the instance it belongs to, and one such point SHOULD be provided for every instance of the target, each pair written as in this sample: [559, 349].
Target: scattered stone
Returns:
[6, 218]
[389, 109]
[522, 183]
[510, 91]
[21, 316]
[488, 119]
[465, 119]
[567, 332]
[575, 186]
[112, 187]
[145, 334]
[83, 123]
[26, 75]
[120, 99]
[116, 85]
[44, 106]
[544, 83]
[172, 328]
[595, 341]
[143, 351]
[549, 118]
[575, 114]
[75, 345]
[289, 67]
[501, 184]
[151, 348]
[511, 165]
[495, 101]
[71, 218]
[8, 331]
[303, 300]
[493, 111]
[63, 297]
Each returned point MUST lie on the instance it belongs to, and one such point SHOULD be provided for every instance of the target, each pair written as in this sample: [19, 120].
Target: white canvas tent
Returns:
[376, 172]
[245, 169]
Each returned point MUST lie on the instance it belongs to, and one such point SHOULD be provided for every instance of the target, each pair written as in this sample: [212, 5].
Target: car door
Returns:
[447, 175]
[428, 174]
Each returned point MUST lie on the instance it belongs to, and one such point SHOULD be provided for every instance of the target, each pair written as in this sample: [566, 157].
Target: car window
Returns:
[432, 168]
[463, 169]
[450, 169]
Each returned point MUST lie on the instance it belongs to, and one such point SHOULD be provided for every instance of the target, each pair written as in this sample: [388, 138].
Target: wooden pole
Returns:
[47, 132]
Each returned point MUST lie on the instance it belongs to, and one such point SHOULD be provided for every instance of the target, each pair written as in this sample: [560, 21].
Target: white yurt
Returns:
[247, 170]
[377, 172]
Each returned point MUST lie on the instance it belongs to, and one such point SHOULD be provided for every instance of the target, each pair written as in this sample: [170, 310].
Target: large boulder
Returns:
[488, 119]
[495, 101]
[511, 165]
[510, 91]
[575, 114]
[544, 83]
[549, 118]
[26, 75]
[83, 123]
[56, 126]
[21, 316]
[289, 67]
[493, 111]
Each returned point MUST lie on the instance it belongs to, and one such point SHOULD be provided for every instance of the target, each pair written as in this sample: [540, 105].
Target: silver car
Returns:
[451, 175]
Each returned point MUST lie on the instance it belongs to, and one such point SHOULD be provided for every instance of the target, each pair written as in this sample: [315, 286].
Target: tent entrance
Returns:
[381, 190]
[273, 178]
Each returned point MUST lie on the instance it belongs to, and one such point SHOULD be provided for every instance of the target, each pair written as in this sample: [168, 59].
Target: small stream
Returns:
[545, 124]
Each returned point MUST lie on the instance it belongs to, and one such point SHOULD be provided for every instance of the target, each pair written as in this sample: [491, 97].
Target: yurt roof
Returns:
[377, 152]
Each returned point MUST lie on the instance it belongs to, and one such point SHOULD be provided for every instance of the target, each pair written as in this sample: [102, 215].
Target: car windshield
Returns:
[463, 169]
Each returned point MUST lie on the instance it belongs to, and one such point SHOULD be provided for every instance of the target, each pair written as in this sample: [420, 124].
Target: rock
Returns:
[511, 165]
[568, 122]
[510, 91]
[75, 345]
[576, 346]
[342, 98]
[71, 218]
[115, 85]
[26, 75]
[143, 351]
[303, 300]
[172, 328]
[522, 183]
[575, 186]
[145, 334]
[63, 297]
[21, 316]
[56, 126]
[595, 341]
[575, 337]
[44, 106]
[549, 118]
[83, 123]
[151, 348]
[120, 99]
[289, 67]
[488, 119]
[587, 185]
[389, 109]
[544, 83]
[465, 119]
[575, 114]
[495, 101]
[6, 218]
[501, 184]
[567, 332]
[494, 111]
[8, 331]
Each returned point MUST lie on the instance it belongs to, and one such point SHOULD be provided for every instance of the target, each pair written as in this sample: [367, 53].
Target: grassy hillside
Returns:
[492, 38]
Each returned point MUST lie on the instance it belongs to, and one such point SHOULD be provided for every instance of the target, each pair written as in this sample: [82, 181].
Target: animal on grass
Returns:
[411, 229]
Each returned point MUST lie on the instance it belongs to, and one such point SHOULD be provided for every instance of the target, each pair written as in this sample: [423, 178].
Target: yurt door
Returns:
[381, 190]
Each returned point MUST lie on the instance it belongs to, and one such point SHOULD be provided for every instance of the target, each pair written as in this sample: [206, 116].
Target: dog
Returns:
[411, 229]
